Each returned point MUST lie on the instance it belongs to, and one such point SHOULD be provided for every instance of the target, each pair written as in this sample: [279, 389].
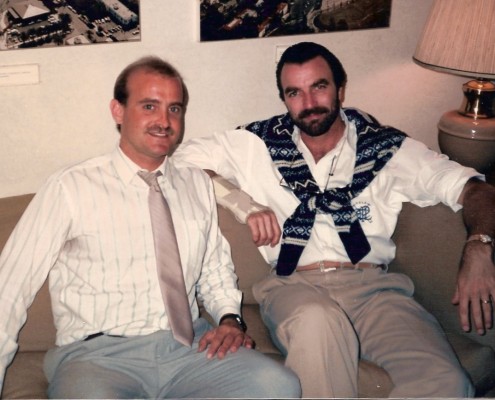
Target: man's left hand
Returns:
[475, 291]
[224, 338]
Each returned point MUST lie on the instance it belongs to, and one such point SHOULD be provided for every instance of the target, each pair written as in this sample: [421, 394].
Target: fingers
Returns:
[248, 342]
[482, 314]
[220, 348]
[487, 310]
[216, 344]
[205, 341]
[264, 227]
[477, 316]
[222, 340]
[464, 313]
[476, 288]
[479, 309]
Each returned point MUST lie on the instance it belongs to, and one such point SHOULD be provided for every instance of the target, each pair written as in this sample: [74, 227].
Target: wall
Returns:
[65, 118]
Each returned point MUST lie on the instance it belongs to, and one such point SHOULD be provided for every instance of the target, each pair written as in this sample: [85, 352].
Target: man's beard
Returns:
[315, 128]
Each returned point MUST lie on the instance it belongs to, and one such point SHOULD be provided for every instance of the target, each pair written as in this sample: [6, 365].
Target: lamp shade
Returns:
[459, 38]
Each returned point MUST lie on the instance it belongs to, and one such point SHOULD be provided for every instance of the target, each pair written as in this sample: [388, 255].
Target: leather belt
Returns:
[326, 266]
[95, 335]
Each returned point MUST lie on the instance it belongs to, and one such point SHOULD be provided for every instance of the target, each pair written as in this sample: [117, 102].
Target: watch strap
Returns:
[481, 237]
[237, 318]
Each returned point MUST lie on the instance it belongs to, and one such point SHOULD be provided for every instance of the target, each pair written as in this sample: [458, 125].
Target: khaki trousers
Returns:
[325, 321]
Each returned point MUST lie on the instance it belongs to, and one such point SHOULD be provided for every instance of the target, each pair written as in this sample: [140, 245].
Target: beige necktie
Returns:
[168, 263]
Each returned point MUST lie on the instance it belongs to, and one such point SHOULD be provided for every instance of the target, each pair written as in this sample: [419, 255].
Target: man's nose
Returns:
[164, 118]
[309, 101]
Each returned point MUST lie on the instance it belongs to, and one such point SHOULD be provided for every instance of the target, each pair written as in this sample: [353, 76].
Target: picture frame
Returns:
[50, 23]
[243, 19]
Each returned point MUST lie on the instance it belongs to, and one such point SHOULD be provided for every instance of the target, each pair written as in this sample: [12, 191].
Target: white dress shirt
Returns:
[89, 230]
[415, 174]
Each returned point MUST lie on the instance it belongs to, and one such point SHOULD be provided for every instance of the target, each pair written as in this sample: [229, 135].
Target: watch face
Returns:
[486, 239]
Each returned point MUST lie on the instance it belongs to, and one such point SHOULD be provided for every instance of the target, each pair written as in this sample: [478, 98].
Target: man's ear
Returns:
[117, 111]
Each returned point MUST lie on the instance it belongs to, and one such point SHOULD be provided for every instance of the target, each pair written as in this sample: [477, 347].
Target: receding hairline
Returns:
[147, 64]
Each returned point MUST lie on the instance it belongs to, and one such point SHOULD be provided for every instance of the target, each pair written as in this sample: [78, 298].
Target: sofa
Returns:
[429, 244]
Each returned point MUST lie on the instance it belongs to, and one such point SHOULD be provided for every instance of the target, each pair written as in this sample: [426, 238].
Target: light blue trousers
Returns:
[157, 366]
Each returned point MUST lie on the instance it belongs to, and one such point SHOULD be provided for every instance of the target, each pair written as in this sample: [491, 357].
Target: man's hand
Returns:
[224, 338]
[264, 227]
[475, 291]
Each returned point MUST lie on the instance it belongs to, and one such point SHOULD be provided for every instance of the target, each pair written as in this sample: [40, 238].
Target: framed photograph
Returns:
[48, 23]
[239, 19]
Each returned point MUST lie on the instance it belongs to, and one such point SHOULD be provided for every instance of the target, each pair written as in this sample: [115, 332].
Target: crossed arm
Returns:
[261, 220]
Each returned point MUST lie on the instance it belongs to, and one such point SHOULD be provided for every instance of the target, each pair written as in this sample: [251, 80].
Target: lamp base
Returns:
[467, 140]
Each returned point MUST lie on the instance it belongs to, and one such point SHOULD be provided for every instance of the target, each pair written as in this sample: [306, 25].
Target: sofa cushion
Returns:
[250, 266]
[38, 334]
[422, 247]
[10, 211]
[258, 331]
[478, 360]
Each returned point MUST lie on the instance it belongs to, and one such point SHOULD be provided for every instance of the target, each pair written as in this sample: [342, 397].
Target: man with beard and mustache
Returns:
[333, 181]
[122, 330]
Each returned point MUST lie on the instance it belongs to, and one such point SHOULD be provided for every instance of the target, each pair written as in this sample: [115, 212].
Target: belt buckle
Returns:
[321, 265]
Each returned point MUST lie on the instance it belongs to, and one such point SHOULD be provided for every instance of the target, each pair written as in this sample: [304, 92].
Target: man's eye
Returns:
[149, 107]
[292, 93]
[176, 109]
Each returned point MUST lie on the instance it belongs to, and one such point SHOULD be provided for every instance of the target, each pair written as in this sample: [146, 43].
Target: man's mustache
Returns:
[313, 111]
[160, 130]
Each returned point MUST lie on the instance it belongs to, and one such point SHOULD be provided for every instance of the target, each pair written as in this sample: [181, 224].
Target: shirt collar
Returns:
[127, 169]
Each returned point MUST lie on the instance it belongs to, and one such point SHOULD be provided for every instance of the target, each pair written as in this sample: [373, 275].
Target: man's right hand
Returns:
[264, 227]
[261, 220]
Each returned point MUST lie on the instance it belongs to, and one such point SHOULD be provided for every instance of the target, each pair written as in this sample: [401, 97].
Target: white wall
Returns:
[65, 118]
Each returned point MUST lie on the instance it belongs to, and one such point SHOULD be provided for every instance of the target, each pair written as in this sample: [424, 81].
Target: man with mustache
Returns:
[333, 180]
[91, 230]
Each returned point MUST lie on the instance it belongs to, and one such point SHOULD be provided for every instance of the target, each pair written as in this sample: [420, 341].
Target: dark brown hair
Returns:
[305, 51]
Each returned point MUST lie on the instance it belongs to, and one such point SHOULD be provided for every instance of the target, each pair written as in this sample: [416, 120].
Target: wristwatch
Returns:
[237, 319]
[481, 237]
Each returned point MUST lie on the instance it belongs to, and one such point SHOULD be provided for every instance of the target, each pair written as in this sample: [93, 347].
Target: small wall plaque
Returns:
[12, 75]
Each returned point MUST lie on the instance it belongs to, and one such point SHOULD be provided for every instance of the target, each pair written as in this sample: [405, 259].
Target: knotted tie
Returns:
[168, 263]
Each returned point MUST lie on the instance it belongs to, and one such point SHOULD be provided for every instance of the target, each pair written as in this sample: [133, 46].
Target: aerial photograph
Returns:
[238, 19]
[49, 23]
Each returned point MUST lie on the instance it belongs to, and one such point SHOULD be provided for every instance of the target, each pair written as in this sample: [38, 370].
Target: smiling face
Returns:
[310, 95]
[152, 120]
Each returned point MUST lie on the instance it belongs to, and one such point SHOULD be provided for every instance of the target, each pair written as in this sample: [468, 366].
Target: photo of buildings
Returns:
[238, 19]
[48, 23]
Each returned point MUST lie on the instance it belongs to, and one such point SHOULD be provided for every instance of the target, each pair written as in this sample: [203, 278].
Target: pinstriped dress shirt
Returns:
[89, 230]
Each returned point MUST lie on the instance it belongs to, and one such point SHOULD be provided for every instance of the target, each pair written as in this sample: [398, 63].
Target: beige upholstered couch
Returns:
[429, 245]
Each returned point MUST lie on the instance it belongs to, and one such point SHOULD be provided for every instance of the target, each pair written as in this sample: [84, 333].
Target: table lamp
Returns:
[459, 38]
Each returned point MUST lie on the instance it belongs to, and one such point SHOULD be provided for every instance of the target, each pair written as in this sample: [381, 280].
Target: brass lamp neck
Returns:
[479, 99]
